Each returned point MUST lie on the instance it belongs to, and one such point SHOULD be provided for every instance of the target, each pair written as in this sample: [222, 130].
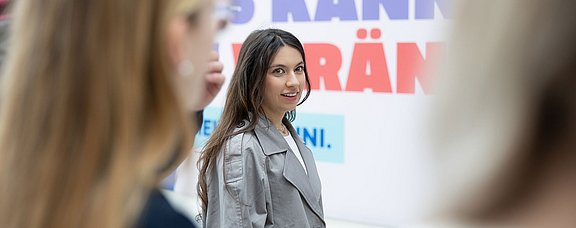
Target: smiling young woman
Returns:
[255, 171]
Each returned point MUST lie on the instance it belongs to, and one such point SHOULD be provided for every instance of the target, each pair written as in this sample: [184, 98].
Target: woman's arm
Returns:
[244, 195]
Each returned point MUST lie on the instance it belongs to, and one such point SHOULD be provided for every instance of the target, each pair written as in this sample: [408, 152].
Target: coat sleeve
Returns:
[244, 196]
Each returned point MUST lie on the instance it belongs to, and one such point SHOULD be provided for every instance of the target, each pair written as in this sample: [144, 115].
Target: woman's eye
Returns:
[299, 69]
[278, 71]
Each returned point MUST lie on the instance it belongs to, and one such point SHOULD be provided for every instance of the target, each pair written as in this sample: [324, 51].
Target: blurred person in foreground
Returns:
[507, 115]
[95, 108]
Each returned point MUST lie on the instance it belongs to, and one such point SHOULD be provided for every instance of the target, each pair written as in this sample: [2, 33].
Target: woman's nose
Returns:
[292, 80]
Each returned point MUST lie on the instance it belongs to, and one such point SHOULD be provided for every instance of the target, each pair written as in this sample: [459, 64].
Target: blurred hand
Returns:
[213, 79]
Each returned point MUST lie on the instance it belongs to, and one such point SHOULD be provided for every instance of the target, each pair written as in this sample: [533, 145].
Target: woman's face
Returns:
[285, 79]
[194, 37]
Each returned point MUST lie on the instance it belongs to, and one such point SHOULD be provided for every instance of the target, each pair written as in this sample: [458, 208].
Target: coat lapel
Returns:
[307, 184]
[308, 158]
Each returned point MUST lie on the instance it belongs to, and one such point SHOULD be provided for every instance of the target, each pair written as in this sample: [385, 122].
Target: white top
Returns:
[295, 149]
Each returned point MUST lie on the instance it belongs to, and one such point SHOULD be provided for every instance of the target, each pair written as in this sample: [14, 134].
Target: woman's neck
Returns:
[275, 118]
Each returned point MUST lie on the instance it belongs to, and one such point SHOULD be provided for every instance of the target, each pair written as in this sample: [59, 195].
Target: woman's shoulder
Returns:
[241, 148]
[241, 141]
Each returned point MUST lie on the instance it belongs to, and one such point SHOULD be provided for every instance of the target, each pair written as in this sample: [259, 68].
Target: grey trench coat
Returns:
[259, 182]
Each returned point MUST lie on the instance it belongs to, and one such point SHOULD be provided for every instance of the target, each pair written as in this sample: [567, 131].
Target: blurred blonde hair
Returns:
[506, 100]
[89, 114]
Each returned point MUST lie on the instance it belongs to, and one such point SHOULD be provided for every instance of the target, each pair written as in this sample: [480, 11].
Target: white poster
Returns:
[364, 117]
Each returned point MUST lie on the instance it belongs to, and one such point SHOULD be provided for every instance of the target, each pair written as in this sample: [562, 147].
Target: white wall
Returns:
[375, 170]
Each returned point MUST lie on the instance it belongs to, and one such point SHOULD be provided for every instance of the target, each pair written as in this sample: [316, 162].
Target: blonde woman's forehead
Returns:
[187, 6]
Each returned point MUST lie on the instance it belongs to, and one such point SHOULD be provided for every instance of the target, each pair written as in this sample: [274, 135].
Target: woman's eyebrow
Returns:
[282, 65]
[277, 65]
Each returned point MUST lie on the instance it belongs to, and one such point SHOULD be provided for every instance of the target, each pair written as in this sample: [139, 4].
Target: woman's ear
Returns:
[176, 36]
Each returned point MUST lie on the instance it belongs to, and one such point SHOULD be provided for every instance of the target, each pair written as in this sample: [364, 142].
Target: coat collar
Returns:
[273, 142]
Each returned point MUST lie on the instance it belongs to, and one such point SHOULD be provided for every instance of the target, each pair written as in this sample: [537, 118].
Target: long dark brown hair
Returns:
[245, 94]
